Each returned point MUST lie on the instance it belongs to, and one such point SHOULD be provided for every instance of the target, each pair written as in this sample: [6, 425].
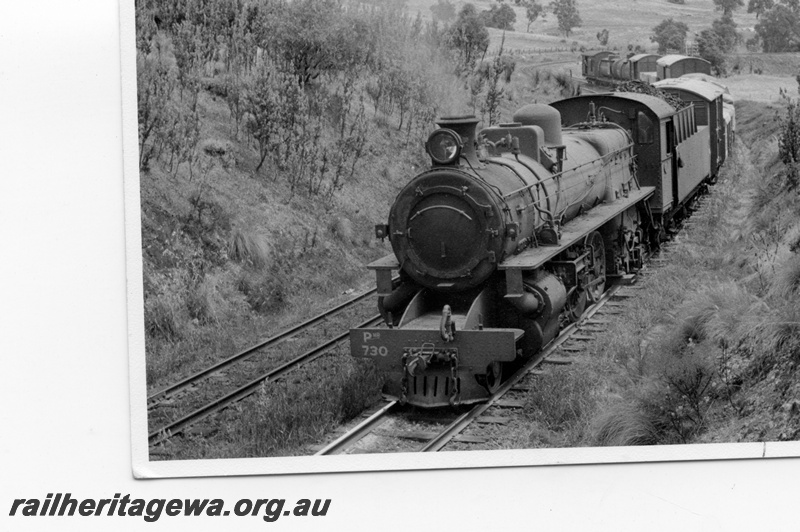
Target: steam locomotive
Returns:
[608, 68]
[515, 228]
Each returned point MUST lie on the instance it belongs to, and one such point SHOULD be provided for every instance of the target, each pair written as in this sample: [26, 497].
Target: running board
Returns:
[571, 233]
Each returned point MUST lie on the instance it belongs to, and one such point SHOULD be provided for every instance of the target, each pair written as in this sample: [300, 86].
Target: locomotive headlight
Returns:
[444, 146]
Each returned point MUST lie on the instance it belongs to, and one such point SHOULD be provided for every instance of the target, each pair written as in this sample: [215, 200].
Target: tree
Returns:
[728, 6]
[602, 36]
[725, 28]
[779, 29]
[500, 16]
[670, 35]
[493, 75]
[789, 143]
[566, 11]
[759, 7]
[533, 10]
[443, 11]
[711, 47]
[468, 36]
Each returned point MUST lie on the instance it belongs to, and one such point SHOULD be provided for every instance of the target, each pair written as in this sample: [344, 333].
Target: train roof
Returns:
[656, 105]
[639, 57]
[601, 52]
[705, 90]
[671, 59]
[707, 78]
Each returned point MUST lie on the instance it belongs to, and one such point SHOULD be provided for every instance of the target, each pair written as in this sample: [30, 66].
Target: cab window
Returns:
[644, 129]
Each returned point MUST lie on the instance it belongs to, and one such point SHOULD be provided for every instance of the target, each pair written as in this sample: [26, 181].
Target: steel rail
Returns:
[463, 421]
[250, 388]
[352, 436]
[269, 342]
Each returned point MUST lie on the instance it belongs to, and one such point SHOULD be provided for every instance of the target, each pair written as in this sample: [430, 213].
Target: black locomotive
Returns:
[515, 228]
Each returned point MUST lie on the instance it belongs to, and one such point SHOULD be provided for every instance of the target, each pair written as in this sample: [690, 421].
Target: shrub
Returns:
[207, 223]
[566, 84]
[342, 228]
[792, 238]
[216, 86]
[680, 383]
[200, 303]
[264, 293]
[789, 143]
[215, 147]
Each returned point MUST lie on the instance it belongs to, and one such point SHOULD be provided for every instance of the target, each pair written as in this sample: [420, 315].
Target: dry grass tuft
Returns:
[724, 313]
[201, 302]
[248, 249]
[286, 415]
[562, 400]
[162, 318]
[342, 229]
[623, 423]
[786, 283]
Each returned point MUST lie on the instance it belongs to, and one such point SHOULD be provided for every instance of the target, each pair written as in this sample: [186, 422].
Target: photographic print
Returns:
[396, 234]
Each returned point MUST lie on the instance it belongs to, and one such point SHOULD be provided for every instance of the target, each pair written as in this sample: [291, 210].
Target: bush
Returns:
[342, 228]
[789, 143]
[266, 293]
[208, 224]
[215, 147]
[200, 303]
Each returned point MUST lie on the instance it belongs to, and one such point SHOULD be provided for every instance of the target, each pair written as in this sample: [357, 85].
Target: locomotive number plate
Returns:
[475, 348]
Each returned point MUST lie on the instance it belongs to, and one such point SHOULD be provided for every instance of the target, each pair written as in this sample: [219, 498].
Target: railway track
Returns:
[410, 430]
[175, 408]
[395, 428]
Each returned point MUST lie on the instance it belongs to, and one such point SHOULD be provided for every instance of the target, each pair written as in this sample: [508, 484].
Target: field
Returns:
[627, 21]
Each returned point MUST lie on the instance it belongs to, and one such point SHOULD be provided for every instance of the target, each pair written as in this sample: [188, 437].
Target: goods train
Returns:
[607, 68]
[515, 228]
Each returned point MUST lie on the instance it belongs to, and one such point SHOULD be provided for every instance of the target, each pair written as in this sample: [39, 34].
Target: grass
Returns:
[284, 417]
[246, 248]
[561, 402]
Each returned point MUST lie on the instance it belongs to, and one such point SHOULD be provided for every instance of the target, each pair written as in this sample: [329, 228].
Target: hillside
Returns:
[627, 21]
